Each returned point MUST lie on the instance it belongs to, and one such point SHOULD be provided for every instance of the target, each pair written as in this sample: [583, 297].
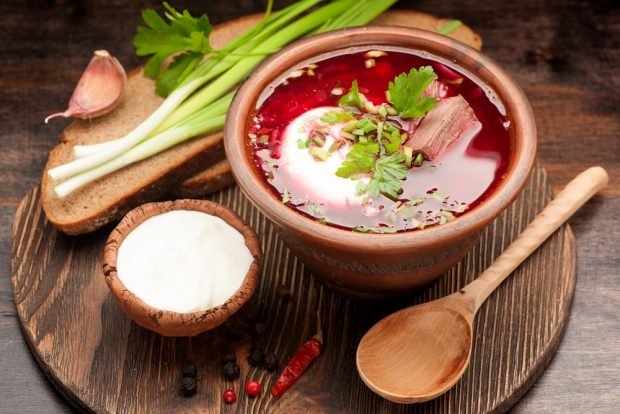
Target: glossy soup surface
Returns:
[433, 193]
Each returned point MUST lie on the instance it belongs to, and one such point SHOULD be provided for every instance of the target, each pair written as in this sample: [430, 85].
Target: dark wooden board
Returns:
[104, 363]
[564, 54]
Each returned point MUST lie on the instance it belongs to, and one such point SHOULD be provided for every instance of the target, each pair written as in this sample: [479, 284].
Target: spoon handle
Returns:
[573, 196]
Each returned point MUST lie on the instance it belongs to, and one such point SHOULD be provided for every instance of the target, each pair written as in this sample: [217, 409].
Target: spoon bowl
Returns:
[444, 332]
[420, 352]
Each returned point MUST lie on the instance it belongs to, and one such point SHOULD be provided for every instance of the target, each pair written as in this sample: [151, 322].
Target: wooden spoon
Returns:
[420, 352]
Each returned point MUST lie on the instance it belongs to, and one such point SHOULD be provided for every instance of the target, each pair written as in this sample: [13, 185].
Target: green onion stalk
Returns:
[199, 104]
[212, 68]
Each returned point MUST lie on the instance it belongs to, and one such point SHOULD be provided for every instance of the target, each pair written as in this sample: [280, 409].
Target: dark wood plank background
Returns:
[565, 55]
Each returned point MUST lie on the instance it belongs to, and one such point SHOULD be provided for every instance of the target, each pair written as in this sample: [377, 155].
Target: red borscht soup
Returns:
[380, 141]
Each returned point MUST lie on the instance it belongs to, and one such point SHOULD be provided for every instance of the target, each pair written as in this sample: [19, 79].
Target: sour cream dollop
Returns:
[183, 261]
[317, 180]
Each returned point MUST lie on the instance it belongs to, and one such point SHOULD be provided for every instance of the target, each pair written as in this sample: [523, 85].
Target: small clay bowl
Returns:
[378, 265]
[169, 323]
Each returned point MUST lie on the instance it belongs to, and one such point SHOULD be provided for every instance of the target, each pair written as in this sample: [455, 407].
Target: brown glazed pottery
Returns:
[366, 264]
[166, 322]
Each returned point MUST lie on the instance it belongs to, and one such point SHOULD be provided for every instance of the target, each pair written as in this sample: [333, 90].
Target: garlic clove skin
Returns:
[99, 90]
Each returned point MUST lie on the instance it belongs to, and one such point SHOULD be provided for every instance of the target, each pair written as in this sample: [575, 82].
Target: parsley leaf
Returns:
[334, 117]
[360, 160]
[388, 174]
[407, 89]
[177, 71]
[353, 99]
[182, 34]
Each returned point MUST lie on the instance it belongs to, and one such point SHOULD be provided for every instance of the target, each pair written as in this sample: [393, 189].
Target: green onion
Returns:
[449, 27]
[408, 154]
[419, 159]
[143, 150]
[244, 66]
[198, 105]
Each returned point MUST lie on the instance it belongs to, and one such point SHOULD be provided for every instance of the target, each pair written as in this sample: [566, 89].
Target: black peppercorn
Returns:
[259, 329]
[256, 357]
[271, 363]
[229, 358]
[231, 370]
[189, 370]
[188, 386]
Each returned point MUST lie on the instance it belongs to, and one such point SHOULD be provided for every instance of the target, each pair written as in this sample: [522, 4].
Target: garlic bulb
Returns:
[99, 90]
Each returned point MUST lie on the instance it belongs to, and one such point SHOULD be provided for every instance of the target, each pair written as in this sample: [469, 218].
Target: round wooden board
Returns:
[104, 363]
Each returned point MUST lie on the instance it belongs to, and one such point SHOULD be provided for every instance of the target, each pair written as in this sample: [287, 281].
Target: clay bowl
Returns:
[166, 322]
[365, 264]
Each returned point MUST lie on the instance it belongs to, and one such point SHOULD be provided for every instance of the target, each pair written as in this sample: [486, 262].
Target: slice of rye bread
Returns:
[109, 198]
[216, 177]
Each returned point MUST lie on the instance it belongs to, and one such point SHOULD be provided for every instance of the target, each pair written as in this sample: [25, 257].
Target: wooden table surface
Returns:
[564, 54]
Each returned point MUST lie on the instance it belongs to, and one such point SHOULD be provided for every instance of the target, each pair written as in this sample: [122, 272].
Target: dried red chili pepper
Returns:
[307, 353]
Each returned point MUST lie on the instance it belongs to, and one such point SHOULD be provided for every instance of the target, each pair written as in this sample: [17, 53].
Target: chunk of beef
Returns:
[442, 126]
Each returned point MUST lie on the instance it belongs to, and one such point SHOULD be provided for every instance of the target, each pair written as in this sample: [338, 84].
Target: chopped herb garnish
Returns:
[360, 160]
[353, 99]
[350, 126]
[391, 142]
[407, 90]
[370, 107]
[347, 135]
[318, 210]
[391, 111]
[390, 216]
[382, 111]
[319, 154]
[334, 117]
[406, 212]
[441, 197]
[414, 202]
[408, 151]
[286, 196]
[377, 142]
[387, 176]
[318, 139]
[303, 143]
[445, 217]
[361, 188]
[419, 159]
[378, 229]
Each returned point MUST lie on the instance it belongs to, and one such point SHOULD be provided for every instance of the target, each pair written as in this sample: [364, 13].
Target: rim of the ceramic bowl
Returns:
[139, 215]
[510, 94]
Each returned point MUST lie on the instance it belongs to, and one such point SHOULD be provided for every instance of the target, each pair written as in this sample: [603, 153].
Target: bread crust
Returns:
[215, 178]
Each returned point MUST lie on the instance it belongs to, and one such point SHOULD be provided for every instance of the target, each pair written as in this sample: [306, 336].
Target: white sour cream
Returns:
[317, 180]
[183, 261]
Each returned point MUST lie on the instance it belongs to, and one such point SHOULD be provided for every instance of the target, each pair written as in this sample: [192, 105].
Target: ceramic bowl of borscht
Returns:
[380, 153]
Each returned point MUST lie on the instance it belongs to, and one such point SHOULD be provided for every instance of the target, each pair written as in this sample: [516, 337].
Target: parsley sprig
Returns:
[376, 141]
[407, 90]
[376, 151]
[183, 35]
